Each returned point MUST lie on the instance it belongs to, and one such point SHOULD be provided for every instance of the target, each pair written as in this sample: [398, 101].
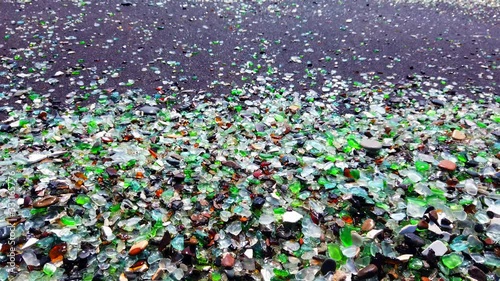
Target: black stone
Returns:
[328, 265]
[437, 102]
[472, 163]
[258, 202]
[477, 274]
[368, 272]
[414, 240]
[177, 205]
[479, 228]
[472, 173]
[5, 128]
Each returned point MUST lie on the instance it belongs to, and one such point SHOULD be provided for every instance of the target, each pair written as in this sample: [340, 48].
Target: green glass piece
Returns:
[335, 252]
[345, 236]
[422, 166]
[322, 181]
[216, 276]
[279, 211]
[49, 269]
[462, 157]
[114, 208]
[69, 221]
[452, 260]
[282, 258]
[82, 199]
[333, 171]
[295, 187]
[353, 143]
[355, 174]
[415, 264]
[281, 272]
[278, 118]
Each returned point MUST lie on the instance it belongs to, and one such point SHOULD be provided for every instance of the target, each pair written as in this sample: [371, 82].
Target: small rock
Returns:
[176, 205]
[408, 229]
[414, 240]
[149, 110]
[423, 224]
[138, 247]
[328, 265]
[368, 272]
[231, 164]
[477, 274]
[249, 253]
[373, 233]
[438, 247]
[437, 102]
[5, 128]
[292, 217]
[405, 257]
[294, 108]
[45, 201]
[371, 144]
[447, 165]
[458, 135]
[433, 215]
[112, 172]
[258, 202]
[228, 260]
[339, 276]
[368, 225]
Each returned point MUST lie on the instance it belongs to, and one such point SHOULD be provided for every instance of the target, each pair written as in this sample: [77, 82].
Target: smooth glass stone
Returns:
[69, 221]
[334, 252]
[82, 199]
[350, 252]
[415, 264]
[458, 244]
[491, 259]
[49, 269]
[345, 236]
[422, 166]
[452, 260]
[178, 243]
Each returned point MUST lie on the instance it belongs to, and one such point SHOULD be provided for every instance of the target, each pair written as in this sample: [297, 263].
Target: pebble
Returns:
[408, 229]
[292, 217]
[249, 253]
[45, 201]
[458, 135]
[339, 276]
[477, 274]
[138, 247]
[368, 272]
[373, 233]
[371, 144]
[414, 240]
[447, 165]
[258, 202]
[5, 128]
[228, 260]
[438, 247]
[368, 225]
[438, 102]
[328, 265]
[149, 110]
[496, 133]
